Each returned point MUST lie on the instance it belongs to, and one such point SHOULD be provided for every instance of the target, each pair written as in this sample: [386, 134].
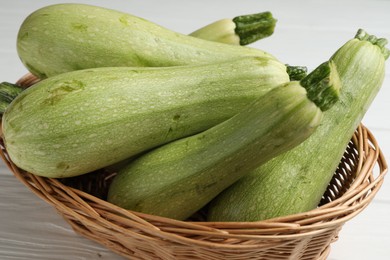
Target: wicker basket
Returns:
[140, 236]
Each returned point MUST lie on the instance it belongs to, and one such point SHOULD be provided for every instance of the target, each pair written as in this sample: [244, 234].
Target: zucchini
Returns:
[241, 30]
[67, 37]
[179, 178]
[80, 121]
[8, 92]
[295, 181]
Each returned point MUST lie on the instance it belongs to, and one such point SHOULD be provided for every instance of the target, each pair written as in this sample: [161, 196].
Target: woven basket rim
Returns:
[323, 219]
[291, 221]
[89, 215]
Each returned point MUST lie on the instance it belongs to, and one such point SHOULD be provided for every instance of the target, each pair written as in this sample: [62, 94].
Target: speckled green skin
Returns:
[296, 180]
[179, 178]
[84, 120]
[68, 37]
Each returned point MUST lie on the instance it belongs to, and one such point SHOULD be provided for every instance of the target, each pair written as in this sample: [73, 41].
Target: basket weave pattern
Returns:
[135, 235]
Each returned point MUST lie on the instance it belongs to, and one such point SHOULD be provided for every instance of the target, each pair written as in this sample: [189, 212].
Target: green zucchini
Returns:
[295, 181]
[241, 30]
[67, 37]
[179, 178]
[8, 92]
[80, 121]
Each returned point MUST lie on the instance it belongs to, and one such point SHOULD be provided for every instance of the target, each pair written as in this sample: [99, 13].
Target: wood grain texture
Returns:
[307, 33]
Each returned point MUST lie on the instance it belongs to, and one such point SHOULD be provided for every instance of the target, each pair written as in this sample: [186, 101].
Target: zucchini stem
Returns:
[253, 27]
[241, 30]
[323, 85]
[380, 42]
[8, 92]
[296, 72]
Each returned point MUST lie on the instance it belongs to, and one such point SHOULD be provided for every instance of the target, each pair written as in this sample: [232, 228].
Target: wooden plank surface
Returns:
[307, 33]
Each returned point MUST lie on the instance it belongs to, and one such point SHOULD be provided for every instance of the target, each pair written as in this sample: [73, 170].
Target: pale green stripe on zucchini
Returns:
[181, 177]
[295, 181]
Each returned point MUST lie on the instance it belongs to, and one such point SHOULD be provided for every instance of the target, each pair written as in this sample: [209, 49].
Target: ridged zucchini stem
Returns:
[296, 72]
[323, 85]
[253, 27]
[380, 42]
[8, 92]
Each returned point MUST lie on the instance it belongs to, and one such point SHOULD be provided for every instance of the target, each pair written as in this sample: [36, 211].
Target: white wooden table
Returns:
[307, 33]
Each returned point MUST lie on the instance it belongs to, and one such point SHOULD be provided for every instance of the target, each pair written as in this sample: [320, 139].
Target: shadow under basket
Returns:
[135, 235]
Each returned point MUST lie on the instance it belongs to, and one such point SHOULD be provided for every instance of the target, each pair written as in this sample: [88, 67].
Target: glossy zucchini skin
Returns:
[67, 37]
[181, 177]
[295, 181]
[80, 121]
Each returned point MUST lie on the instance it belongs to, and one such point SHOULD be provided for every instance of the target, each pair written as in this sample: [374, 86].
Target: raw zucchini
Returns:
[179, 178]
[295, 181]
[67, 37]
[241, 30]
[84, 120]
[8, 92]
